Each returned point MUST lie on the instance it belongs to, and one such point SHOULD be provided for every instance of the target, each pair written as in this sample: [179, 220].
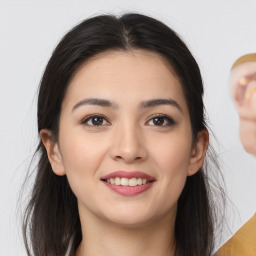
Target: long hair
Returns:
[51, 218]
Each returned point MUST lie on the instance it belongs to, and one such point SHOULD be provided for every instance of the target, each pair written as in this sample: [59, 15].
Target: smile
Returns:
[127, 182]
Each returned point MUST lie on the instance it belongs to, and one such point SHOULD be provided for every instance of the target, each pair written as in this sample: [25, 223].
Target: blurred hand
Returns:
[243, 91]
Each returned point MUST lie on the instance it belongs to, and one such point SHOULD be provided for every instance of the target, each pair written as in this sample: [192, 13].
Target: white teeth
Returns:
[117, 181]
[133, 182]
[124, 182]
[127, 182]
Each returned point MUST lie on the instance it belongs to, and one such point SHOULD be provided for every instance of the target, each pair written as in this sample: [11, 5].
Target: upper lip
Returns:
[128, 174]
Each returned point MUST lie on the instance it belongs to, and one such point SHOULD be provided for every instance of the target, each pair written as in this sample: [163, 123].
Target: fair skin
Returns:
[142, 125]
[243, 91]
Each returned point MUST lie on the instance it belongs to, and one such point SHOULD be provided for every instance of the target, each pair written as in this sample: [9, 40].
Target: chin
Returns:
[139, 217]
[130, 219]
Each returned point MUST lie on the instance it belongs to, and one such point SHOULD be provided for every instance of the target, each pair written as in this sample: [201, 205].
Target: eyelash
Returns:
[91, 117]
[168, 121]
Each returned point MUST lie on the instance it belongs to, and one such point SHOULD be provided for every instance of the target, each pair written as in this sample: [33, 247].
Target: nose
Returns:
[128, 145]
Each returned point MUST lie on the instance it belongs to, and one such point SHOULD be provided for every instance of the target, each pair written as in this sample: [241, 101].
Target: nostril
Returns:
[128, 158]
[128, 151]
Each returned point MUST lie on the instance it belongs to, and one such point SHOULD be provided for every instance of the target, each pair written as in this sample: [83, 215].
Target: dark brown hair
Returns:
[51, 217]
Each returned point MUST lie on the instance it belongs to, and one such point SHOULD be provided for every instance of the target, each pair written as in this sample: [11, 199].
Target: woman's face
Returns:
[125, 120]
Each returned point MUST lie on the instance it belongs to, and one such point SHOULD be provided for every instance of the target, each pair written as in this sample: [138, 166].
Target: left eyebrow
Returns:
[95, 101]
[158, 102]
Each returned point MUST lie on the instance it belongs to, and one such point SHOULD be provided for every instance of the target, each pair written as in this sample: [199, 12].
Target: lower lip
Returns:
[129, 191]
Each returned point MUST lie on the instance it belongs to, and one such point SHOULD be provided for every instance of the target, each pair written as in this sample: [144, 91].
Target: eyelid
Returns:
[89, 117]
[169, 119]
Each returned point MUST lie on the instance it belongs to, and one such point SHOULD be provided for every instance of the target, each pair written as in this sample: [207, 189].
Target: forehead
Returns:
[135, 73]
[120, 62]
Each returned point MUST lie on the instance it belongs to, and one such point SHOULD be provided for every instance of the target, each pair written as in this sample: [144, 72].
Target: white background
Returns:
[217, 32]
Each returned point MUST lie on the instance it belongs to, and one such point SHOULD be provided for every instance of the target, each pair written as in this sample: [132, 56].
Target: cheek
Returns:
[172, 161]
[81, 158]
[173, 165]
[173, 153]
[80, 151]
[172, 158]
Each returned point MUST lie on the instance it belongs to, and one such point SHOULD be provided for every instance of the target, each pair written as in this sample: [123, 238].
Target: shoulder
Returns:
[242, 242]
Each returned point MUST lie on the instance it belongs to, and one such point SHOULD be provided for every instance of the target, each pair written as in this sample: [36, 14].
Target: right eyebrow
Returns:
[95, 101]
[158, 102]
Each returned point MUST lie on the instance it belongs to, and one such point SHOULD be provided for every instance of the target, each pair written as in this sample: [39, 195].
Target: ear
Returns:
[198, 152]
[53, 152]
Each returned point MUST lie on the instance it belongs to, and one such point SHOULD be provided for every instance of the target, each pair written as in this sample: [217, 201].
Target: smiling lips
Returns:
[128, 183]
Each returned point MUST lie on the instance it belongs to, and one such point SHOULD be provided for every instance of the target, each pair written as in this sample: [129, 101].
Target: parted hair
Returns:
[51, 217]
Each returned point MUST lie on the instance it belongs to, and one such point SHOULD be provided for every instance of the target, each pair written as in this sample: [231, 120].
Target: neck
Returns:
[103, 238]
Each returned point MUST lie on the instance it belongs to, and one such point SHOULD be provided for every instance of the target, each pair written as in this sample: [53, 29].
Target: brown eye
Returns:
[95, 120]
[158, 120]
[161, 120]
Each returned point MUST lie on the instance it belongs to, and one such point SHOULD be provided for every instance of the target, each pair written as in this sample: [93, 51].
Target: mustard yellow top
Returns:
[245, 58]
[243, 243]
